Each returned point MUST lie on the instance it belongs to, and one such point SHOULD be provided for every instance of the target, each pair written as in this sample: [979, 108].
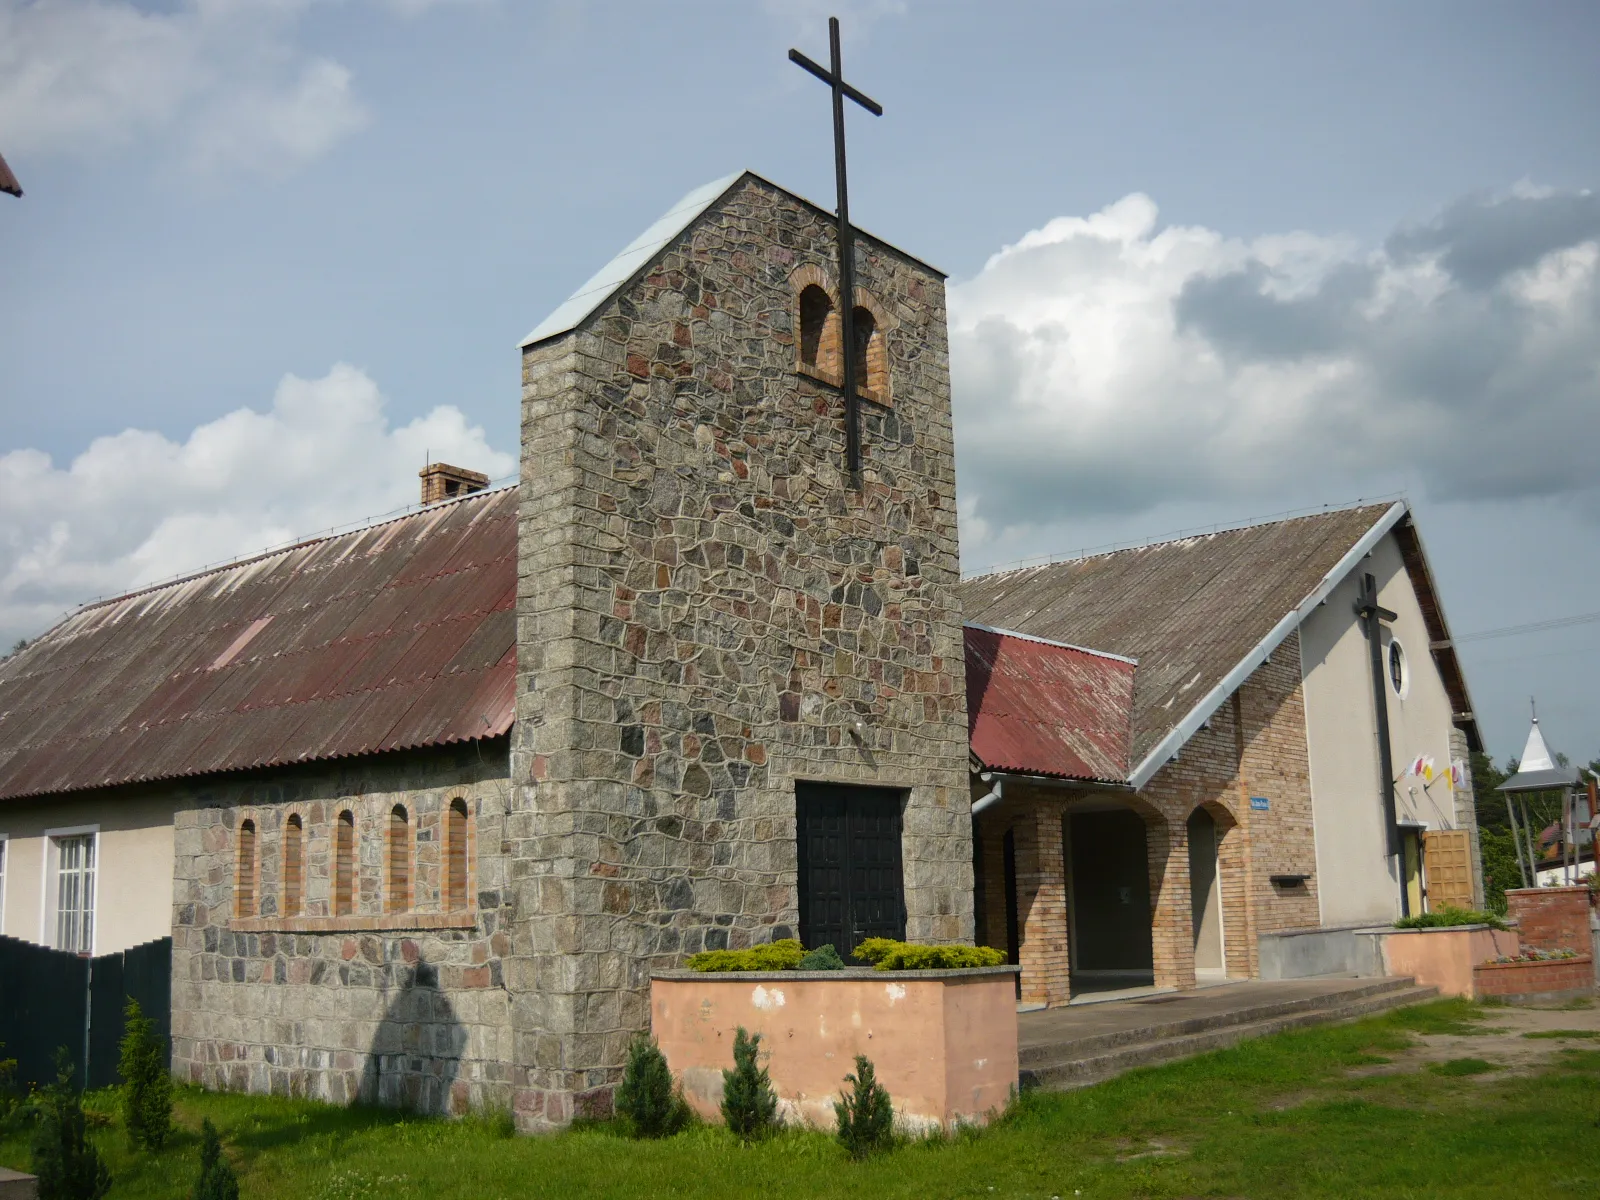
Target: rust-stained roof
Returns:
[1044, 708]
[1189, 611]
[396, 636]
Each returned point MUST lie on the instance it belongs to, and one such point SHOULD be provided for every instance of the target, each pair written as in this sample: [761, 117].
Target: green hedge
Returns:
[884, 954]
[1444, 918]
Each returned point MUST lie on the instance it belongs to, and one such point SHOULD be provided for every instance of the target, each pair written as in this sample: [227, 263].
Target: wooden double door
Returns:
[852, 886]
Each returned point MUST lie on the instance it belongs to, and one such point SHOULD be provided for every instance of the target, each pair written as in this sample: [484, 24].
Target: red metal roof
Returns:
[1045, 708]
[393, 637]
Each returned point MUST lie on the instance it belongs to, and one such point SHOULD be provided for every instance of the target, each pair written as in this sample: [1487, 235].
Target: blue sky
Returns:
[1208, 262]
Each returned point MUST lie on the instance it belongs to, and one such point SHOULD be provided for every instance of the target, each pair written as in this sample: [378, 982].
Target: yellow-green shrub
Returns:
[782, 955]
[886, 954]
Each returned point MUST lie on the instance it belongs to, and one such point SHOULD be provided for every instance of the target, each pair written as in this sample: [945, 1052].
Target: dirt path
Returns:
[1502, 1042]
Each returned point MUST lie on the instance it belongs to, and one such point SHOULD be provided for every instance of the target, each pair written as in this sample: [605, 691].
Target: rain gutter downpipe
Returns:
[994, 795]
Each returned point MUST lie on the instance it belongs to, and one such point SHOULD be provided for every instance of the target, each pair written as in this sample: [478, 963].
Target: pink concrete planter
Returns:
[944, 1043]
[1536, 982]
[1445, 958]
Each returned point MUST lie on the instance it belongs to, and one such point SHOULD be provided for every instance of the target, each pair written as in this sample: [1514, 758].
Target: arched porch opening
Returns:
[1110, 902]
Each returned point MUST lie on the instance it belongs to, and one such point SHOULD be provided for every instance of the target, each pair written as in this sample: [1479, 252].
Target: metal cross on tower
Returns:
[833, 76]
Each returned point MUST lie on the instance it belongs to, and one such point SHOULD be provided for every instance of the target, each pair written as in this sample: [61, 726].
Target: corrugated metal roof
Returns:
[1043, 708]
[396, 636]
[1189, 610]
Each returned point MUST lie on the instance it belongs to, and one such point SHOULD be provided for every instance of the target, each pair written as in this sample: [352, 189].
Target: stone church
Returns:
[444, 790]
[423, 805]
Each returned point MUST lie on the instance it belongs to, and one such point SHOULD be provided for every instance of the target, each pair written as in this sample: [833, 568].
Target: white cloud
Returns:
[137, 507]
[1107, 365]
[225, 80]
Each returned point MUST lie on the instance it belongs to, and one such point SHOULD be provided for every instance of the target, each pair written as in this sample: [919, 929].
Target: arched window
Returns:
[819, 332]
[244, 883]
[872, 355]
[344, 863]
[397, 895]
[293, 866]
[455, 857]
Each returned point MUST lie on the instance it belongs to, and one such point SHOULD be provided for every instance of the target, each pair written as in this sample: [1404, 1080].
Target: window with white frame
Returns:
[74, 892]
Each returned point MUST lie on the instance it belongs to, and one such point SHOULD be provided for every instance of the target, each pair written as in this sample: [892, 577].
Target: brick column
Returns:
[1172, 932]
[1041, 902]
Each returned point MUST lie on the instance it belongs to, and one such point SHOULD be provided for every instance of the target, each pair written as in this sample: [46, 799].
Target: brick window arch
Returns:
[871, 354]
[344, 863]
[397, 892]
[819, 332]
[244, 878]
[455, 856]
[293, 875]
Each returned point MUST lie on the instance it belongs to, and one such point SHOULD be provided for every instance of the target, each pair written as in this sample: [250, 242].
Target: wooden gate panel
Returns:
[1447, 868]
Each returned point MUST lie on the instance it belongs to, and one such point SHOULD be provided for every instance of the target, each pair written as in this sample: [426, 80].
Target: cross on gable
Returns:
[833, 76]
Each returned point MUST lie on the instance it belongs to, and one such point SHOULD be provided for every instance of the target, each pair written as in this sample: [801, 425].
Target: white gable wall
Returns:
[133, 864]
[1357, 882]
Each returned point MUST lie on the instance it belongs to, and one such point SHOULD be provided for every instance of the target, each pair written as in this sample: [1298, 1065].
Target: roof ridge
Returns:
[1190, 535]
[244, 560]
[1044, 641]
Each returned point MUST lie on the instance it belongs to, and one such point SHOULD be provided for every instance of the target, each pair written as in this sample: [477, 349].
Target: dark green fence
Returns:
[52, 998]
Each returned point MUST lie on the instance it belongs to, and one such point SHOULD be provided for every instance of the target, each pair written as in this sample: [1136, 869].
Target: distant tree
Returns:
[1490, 804]
[1500, 868]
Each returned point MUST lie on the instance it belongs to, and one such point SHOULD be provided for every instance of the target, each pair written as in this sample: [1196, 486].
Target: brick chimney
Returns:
[441, 481]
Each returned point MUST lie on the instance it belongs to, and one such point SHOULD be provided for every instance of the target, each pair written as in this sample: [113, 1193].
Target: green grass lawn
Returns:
[1276, 1117]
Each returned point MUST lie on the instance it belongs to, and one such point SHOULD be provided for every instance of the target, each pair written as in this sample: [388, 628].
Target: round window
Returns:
[1399, 677]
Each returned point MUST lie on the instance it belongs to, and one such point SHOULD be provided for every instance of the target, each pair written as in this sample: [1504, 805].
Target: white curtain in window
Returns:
[75, 894]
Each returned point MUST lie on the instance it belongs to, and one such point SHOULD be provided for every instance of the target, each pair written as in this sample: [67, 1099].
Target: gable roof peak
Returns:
[638, 254]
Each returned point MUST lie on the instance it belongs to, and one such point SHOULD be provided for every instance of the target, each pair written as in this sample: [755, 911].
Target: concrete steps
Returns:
[1078, 1061]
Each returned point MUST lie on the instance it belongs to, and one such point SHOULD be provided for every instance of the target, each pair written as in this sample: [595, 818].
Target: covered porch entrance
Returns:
[1094, 894]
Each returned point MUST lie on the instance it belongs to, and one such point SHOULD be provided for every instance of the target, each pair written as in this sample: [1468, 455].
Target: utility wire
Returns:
[1531, 627]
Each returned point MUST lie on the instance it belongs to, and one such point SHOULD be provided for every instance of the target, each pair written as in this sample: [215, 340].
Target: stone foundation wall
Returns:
[708, 612]
[402, 1008]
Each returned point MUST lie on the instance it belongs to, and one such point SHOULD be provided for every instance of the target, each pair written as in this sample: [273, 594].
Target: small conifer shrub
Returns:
[749, 1105]
[66, 1162]
[147, 1084]
[646, 1097]
[865, 1113]
[217, 1180]
[823, 958]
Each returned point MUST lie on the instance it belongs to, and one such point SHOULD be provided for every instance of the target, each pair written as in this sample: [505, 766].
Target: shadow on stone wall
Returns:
[416, 1053]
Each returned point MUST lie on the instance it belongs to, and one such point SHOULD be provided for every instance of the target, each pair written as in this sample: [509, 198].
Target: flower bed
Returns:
[944, 1042]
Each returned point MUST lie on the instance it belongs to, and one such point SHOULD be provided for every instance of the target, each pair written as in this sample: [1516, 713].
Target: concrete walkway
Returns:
[1084, 1043]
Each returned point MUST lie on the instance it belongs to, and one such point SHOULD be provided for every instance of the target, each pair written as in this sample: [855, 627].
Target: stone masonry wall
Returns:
[707, 613]
[403, 1008]
[1255, 745]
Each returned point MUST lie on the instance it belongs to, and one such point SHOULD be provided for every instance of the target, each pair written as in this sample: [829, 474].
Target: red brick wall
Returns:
[1551, 918]
[1534, 978]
